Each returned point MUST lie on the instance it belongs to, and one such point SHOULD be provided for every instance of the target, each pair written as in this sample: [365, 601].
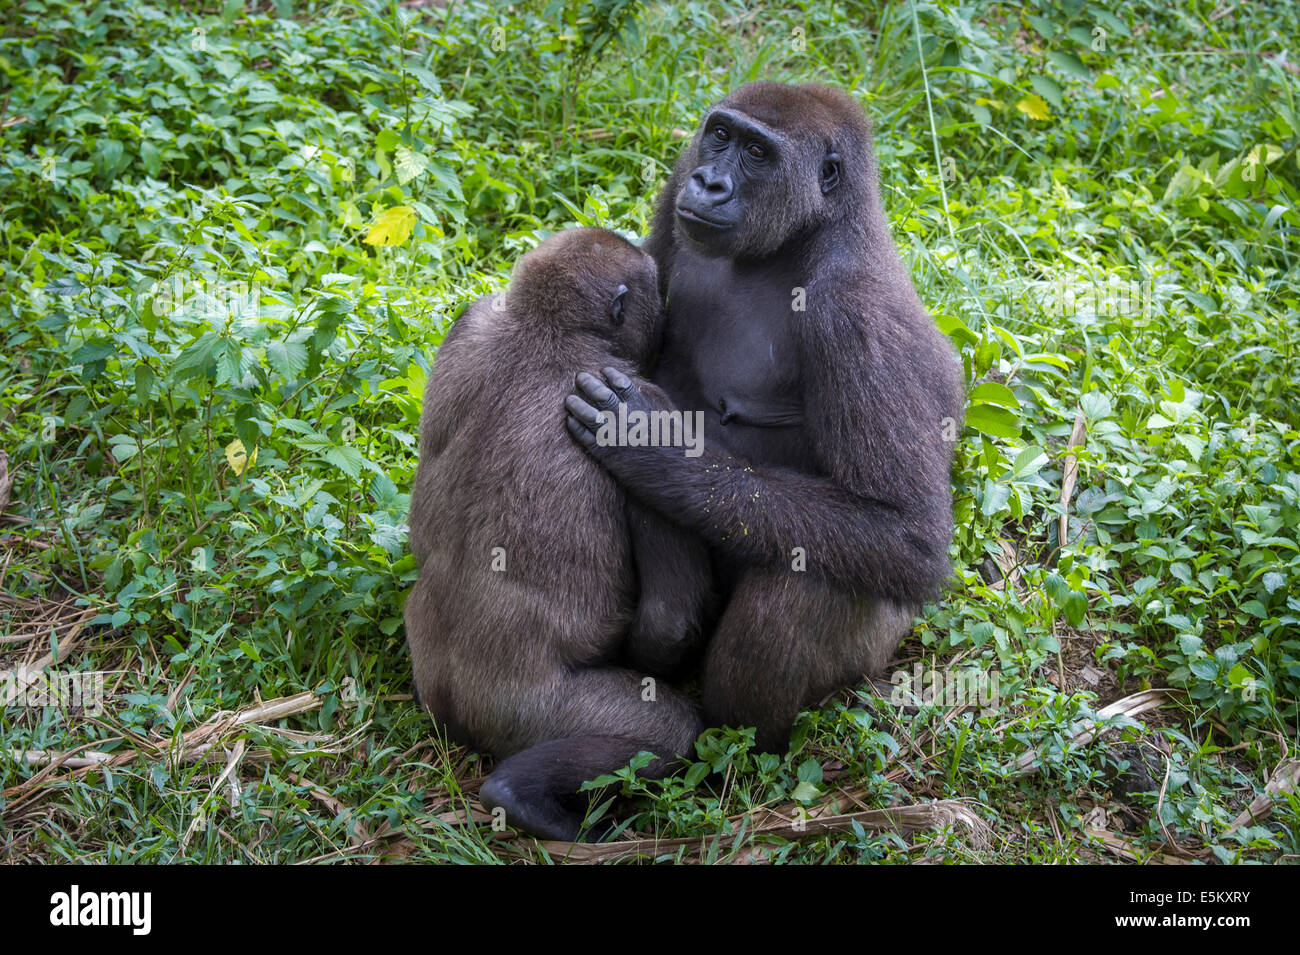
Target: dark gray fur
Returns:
[533, 663]
[828, 429]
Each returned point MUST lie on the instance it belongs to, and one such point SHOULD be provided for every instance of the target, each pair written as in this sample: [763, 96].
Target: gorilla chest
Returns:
[730, 351]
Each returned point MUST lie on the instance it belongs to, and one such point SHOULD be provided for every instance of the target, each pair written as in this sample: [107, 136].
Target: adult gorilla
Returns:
[831, 402]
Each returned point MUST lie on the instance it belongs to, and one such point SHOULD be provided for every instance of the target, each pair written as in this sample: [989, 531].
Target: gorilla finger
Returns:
[581, 433]
[620, 382]
[588, 416]
[596, 391]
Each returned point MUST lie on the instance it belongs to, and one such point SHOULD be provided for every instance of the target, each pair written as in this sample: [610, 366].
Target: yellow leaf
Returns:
[1035, 107]
[238, 458]
[392, 226]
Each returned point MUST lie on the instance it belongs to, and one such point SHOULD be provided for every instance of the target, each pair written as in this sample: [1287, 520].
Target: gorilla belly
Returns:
[729, 351]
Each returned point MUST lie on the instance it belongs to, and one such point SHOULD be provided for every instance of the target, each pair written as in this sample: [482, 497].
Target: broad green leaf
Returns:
[805, 792]
[409, 165]
[426, 78]
[182, 67]
[1042, 26]
[447, 181]
[1205, 668]
[1071, 64]
[695, 775]
[196, 360]
[287, 358]
[123, 447]
[810, 771]
[144, 379]
[1028, 461]
[995, 497]
[1109, 19]
[993, 421]
[347, 459]
[1194, 445]
[995, 392]
[1095, 405]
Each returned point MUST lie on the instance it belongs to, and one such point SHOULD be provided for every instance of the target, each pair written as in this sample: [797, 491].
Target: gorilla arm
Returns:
[873, 511]
[675, 581]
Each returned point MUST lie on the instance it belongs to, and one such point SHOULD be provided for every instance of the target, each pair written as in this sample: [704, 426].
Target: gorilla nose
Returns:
[713, 187]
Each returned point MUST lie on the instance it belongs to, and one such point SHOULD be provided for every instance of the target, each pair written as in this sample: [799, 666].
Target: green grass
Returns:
[1099, 207]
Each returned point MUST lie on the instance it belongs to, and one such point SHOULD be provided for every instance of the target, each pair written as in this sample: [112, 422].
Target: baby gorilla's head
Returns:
[593, 281]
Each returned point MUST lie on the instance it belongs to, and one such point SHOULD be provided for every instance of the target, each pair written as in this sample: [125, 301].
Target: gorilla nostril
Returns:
[714, 186]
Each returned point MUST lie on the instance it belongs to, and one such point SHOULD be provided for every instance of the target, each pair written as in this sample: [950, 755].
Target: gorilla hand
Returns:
[592, 404]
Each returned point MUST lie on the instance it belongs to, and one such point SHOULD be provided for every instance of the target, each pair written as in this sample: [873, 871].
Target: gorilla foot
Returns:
[530, 809]
[538, 788]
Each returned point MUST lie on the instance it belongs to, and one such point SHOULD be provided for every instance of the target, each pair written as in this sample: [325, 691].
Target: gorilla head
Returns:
[772, 165]
[590, 281]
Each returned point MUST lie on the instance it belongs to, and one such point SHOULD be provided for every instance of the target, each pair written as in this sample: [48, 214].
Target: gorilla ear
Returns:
[830, 172]
[616, 307]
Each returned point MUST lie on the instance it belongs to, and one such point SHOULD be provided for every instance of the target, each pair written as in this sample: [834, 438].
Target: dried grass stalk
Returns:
[197, 744]
[1284, 779]
[930, 815]
[1070, 475]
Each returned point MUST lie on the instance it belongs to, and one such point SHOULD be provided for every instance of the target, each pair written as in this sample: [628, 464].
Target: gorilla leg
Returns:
[786, 639]
[757, 669]
[675, 596]
[591, 722]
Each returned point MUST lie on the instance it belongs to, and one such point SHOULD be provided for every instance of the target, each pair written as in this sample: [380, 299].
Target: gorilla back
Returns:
[527, 583]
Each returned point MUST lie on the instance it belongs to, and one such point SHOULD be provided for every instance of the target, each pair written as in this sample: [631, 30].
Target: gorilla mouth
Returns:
[690, 216]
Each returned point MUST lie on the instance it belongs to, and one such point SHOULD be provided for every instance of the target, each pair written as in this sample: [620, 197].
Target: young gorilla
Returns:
[831, 403]
[532, 564]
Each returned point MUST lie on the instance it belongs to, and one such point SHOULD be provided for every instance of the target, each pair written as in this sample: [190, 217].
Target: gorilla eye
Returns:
[616, 307]
[720, 133]
[757, 151]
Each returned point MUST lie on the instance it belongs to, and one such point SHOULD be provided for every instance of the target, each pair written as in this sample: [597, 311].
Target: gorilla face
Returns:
[755, 186]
